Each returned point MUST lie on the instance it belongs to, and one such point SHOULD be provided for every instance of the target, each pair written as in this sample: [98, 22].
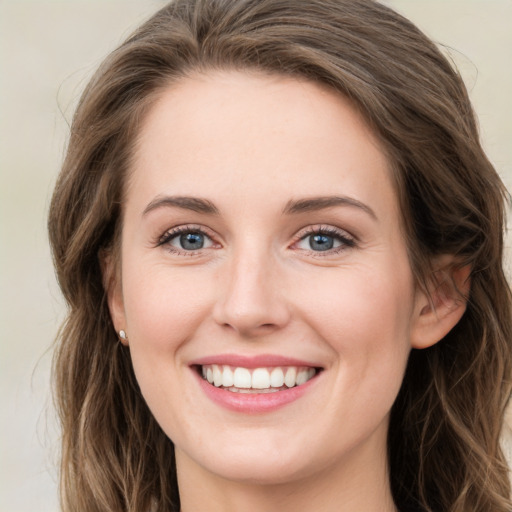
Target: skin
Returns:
[250, 144]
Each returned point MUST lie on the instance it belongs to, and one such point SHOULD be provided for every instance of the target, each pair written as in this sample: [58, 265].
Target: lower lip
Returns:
[254, 403]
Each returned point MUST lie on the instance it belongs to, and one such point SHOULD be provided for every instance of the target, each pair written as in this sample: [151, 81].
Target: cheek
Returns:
[162, 305]
[164, 309]
[365, 317]
[346, 304]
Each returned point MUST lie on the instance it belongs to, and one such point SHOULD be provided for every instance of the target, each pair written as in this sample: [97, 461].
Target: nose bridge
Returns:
[251, 301]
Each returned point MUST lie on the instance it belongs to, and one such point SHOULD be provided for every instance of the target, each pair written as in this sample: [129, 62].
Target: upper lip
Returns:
[255, 361]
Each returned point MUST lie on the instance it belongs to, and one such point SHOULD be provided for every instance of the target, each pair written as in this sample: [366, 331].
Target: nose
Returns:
[251, 299]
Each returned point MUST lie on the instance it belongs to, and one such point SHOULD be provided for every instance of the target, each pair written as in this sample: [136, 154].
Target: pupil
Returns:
[321, 242]
[192, 241]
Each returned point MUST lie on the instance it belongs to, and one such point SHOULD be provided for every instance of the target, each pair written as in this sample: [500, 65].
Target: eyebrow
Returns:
[321, 203]
[292, 207]
[194, 204]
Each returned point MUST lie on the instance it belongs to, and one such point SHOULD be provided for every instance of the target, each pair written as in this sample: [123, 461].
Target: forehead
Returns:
[253, 133]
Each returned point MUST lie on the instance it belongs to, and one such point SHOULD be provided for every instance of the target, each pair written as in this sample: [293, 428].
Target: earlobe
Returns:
[440, 308]
[112, 286]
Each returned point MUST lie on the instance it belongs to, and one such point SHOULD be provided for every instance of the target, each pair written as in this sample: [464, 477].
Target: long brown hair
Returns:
[443, 442]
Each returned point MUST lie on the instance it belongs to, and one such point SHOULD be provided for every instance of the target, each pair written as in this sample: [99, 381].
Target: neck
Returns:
[341, 489]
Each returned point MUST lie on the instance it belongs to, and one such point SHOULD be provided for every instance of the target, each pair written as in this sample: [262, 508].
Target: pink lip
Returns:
[259, 361]
[252, 403]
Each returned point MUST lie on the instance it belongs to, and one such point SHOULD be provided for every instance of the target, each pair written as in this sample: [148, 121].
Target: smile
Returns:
[256, 380]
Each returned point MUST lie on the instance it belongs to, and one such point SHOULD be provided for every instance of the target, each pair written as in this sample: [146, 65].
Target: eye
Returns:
[189, 241]
[186, 240]
[325, 240]
[322, 242]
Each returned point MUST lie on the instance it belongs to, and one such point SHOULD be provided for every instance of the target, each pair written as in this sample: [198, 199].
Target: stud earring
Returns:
[122, 335]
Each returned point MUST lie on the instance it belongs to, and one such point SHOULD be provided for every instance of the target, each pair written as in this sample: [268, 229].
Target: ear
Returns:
[439, 308]
[111, 274]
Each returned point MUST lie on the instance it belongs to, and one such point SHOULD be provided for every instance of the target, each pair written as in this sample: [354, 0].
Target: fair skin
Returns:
[262, 231]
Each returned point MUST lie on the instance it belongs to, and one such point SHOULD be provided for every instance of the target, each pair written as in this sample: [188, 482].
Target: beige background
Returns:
[48, 48]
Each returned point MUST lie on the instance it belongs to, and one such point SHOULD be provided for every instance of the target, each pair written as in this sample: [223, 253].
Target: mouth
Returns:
[256, 380]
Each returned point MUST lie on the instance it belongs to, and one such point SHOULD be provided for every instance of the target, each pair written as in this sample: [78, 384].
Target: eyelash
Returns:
[347, 240]
[168, 236]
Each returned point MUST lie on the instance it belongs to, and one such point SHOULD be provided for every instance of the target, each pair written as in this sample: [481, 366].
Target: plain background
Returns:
[48, 49]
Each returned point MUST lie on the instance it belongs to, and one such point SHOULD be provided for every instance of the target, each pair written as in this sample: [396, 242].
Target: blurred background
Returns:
[48, 50]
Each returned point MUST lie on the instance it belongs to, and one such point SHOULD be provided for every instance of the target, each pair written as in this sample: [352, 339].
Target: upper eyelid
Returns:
[325, 229]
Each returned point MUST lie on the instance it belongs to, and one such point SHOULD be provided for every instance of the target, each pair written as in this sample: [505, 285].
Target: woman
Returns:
[281, 244]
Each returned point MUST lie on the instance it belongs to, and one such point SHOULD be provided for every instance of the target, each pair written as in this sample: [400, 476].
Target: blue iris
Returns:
[192, 241]
[321, 242]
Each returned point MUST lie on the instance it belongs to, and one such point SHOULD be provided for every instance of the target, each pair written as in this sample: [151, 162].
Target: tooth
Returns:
[242, 378]
[260, 378]
[302, 377]
[217, 376]
[277, 378]
[227, 377]
[290, 377]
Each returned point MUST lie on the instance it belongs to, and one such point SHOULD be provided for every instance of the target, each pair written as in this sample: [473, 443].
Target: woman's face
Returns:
[262, 247]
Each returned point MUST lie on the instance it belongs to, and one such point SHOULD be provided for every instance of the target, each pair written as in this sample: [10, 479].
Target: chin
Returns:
[260, 472]
[257, 463]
